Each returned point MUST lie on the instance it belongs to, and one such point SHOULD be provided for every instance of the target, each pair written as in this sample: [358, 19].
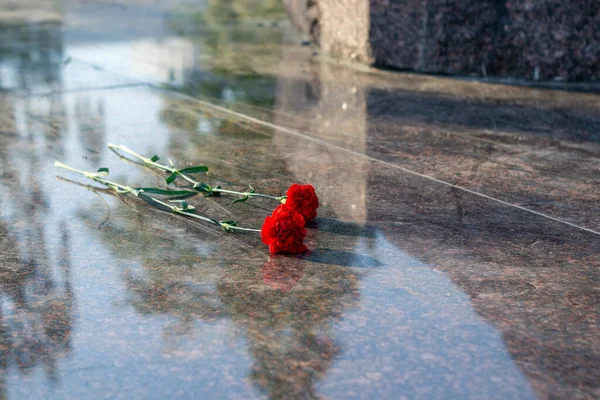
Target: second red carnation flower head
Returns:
[304, 200]
[284, 231]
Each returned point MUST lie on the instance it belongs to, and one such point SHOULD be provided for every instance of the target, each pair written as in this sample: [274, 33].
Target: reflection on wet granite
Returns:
[412, 289]
[37, 314]
[288, 331]
[31, 55]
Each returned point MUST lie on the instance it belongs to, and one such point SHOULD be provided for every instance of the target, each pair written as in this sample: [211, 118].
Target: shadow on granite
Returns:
[341, 258]
[529, 122]
[345, 228]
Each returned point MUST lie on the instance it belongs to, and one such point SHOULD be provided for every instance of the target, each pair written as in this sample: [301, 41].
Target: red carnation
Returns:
[304, 200]
[283, 231]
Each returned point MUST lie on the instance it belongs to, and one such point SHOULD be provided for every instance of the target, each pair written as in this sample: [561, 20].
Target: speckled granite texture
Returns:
[534, 39]
[455, 256]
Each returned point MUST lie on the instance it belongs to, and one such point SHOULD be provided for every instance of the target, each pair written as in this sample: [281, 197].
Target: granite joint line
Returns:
[85, 89]
[370, 158]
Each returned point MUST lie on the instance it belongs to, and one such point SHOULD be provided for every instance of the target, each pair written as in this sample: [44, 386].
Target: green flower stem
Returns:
[162, 167]
[239, 228]
[95, 176]
[228, 226]
[178, 210]
[150, 163]
[249, 194]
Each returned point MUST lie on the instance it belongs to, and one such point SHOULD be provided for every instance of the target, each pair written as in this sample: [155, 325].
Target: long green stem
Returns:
[249, 194]
[228, 226]
[149, 162]
[97, 176]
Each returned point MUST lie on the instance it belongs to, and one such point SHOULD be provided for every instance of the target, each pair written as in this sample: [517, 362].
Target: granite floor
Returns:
[456, 254]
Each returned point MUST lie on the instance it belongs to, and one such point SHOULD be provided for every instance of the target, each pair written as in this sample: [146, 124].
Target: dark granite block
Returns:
[534, 39]
[538, 40]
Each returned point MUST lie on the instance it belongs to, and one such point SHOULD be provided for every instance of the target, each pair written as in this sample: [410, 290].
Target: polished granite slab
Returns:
[431, 274]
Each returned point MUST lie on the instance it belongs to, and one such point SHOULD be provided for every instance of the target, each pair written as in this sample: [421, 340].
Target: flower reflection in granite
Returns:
[289, 329]
[283, 273]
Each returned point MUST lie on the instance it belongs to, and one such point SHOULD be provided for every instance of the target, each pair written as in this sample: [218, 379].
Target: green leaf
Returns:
[185, 196]
[167, 192]
[183, 205]
[154, 203]
[251, 189]
[203, 188]
[171, 177]
[241, 200]
[191, 170]
[155, 158]
[102, 171]
[231, 223]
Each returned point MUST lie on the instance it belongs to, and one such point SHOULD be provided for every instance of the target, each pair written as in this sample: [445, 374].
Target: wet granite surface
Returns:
[456, 254]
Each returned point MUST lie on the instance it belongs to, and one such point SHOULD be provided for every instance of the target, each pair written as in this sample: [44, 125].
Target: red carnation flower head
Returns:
[304, 200]
[283, 231]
